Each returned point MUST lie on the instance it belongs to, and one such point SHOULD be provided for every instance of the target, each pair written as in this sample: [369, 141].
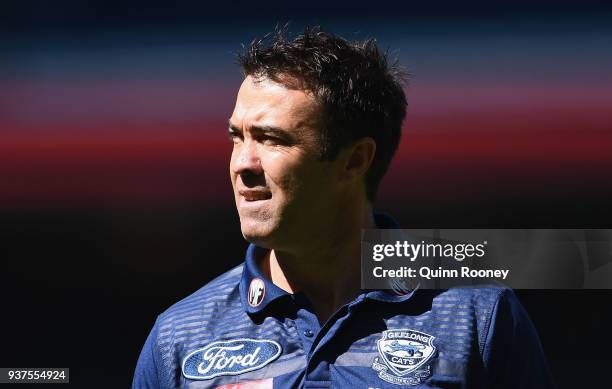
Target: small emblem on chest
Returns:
[257, 291]
[230, 357]
[403, 356]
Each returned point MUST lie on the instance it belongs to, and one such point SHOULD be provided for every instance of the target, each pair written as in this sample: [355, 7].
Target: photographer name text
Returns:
[429, 273]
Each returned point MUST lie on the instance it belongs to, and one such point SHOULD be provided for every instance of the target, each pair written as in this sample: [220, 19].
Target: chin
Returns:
[257, 233]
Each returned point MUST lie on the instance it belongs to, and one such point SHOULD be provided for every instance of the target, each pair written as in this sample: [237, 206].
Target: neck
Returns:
[327, 268]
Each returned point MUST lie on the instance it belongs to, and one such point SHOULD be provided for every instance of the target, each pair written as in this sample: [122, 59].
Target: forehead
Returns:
[266, 102]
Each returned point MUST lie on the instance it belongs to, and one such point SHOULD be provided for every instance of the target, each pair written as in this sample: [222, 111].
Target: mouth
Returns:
[255, 195]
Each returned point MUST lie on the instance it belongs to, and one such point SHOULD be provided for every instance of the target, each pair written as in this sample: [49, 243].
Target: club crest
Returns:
[403, 356]
[230, 357]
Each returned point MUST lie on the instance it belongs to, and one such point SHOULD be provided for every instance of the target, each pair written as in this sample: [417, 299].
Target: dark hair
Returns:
[360, 92]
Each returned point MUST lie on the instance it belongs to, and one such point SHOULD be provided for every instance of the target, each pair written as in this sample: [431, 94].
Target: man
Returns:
[316, 123]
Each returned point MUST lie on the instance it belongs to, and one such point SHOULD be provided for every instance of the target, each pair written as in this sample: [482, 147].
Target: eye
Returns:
[234, 136]
[271, 140]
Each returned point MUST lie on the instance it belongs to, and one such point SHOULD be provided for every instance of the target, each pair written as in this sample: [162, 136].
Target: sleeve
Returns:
[512, 352]
[146, 375]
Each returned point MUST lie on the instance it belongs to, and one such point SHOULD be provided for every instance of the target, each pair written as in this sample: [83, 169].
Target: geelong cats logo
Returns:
[403, 356]
[231, 357]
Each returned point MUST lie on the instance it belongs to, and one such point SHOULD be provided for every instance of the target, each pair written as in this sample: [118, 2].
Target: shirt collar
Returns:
[257, 291]
[384, 221]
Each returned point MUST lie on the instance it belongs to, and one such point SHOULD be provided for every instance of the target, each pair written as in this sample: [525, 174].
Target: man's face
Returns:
[282, 189]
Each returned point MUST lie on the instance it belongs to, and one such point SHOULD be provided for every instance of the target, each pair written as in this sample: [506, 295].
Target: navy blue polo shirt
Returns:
[242, 331]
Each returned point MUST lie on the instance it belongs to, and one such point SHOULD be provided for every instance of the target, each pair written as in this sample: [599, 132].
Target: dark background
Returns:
[115, 200]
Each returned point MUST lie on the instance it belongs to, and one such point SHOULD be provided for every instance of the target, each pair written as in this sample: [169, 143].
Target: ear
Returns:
[358, 158]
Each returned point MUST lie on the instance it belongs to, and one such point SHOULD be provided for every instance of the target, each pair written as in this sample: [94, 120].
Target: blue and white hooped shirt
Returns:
[241, 331]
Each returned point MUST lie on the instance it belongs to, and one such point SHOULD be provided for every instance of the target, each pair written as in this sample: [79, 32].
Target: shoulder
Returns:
[222, 292]
[510, 346]
[481, 304]
[475, 294]
[194, 320]
[481, 300]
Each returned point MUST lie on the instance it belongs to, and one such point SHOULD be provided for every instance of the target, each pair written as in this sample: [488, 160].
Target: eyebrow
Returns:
[267, 129]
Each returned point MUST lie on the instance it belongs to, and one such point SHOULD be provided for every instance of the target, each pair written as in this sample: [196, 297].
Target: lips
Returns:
[255, 195]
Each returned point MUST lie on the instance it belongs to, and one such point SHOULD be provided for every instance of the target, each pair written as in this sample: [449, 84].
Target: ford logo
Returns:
[230, 357]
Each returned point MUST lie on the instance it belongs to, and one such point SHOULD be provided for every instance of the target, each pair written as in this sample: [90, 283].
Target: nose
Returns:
[246, 159]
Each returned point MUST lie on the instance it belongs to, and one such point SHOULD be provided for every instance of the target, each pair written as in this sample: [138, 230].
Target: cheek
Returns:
[281, 171]
[303, 183]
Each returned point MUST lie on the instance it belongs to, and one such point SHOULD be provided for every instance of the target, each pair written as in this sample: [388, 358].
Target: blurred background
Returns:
[115, 198]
